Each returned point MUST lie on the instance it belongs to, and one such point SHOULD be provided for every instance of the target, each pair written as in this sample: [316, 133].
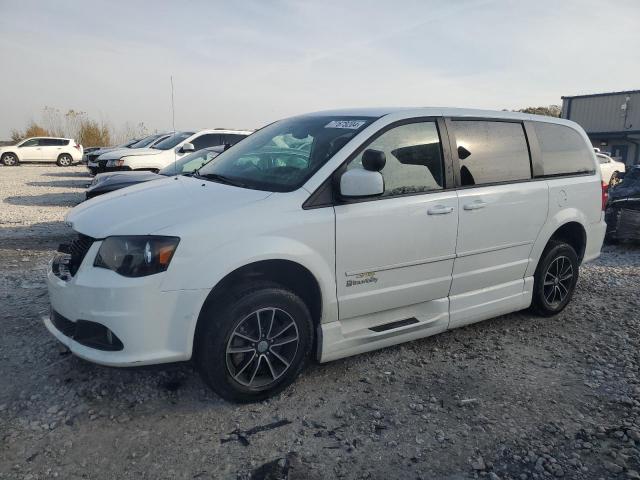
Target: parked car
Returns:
[89, 150]
[173, 148]
[90, 157]
[96, 163]
[623, 207]
[111, 181]
[327, 235]
[63, 151]
[609, 167]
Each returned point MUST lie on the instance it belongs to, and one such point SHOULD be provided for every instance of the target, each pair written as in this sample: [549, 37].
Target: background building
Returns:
[612, 121]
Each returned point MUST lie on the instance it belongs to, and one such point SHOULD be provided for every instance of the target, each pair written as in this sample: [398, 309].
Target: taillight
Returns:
[605, 195]
[77, 146]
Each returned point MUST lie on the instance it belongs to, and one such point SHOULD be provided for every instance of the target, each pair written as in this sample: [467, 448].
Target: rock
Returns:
[612, 467]
[478, 464]
[632, 434]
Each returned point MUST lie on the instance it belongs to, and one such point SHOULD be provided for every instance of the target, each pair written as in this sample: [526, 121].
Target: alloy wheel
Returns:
[557, 280]
[9, 160]
[262, 347]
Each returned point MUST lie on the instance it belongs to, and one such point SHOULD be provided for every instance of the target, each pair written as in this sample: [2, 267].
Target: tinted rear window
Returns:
[491, 152]
[564, 151]
[50, 142]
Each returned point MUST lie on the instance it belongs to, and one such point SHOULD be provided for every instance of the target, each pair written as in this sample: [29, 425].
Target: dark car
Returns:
[108, 182]
[623, 208]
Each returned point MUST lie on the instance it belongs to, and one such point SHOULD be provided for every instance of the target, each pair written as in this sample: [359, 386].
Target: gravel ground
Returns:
[516, 397]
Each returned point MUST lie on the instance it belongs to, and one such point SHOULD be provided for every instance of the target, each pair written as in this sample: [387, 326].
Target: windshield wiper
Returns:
[215, 177]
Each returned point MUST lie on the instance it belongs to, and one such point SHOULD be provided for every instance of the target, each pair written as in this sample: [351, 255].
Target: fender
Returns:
[205, 273]
[552, 224]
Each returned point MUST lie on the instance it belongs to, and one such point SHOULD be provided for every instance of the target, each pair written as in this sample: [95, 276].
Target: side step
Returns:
[392, 325]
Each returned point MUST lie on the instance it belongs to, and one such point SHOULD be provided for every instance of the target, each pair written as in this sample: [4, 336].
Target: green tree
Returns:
[549, 111]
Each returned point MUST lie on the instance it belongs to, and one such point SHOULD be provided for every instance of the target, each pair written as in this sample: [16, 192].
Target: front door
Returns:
[30, 150]
[501, 214]
[395, 252]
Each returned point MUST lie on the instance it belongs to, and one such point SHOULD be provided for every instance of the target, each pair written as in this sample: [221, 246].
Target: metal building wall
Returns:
[603, 113]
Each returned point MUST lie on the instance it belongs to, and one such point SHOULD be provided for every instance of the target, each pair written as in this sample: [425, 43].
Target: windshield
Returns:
[189, 163]
[128, 144]
[284, 155]
[172, 141]
[145, 142]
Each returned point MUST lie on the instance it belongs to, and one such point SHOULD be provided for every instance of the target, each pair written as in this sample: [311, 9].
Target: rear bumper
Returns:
[595, 238]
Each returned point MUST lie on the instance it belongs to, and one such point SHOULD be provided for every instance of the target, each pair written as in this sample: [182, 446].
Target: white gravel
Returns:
[35, 198]
[518, 397]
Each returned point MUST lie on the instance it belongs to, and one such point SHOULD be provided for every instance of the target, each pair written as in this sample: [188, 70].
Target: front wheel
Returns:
[254, 342]
[64, 160]
[9, 159]
[555, 279]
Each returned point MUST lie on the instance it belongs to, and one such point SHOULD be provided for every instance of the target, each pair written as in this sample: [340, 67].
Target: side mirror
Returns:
[361, 183]
[187, 147]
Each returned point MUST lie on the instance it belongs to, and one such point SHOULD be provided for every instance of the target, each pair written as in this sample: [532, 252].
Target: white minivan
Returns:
[327, 235]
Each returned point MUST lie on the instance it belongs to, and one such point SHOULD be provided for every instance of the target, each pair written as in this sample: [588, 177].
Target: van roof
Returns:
[442, 112]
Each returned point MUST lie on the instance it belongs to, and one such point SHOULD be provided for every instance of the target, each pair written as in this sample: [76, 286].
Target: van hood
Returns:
[151, 206]
[130, 152]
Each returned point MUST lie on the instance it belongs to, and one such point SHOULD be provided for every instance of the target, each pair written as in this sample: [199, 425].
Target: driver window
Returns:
[30, 143]
[414, 159]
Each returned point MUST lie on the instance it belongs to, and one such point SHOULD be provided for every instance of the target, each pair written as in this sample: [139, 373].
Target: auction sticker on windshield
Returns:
[349, 124]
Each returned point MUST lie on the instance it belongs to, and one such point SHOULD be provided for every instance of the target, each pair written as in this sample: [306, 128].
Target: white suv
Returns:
[609, 167]
[328, 235]
[63, 151]
[172, 148]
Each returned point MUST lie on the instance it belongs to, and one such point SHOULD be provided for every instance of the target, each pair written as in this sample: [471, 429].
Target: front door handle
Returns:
[440, 210]
[475, 205]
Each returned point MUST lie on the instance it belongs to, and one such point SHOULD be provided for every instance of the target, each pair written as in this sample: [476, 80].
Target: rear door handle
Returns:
[440, 210]
[475, 205]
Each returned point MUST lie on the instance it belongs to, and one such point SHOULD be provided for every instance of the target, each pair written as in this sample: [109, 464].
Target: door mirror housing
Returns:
[361, 183]
[187, 147]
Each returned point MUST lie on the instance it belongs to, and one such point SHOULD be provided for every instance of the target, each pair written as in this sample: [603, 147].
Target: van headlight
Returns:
[136, 256]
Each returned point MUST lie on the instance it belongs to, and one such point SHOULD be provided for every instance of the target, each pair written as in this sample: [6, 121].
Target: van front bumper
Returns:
[108, 319]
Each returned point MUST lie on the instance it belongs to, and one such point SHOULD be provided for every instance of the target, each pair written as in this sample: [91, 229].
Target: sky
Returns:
[243, 64]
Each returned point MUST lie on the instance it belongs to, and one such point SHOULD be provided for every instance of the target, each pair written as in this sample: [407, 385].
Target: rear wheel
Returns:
[64, 160]
[10, 159]
[254, 342]
[555, 279]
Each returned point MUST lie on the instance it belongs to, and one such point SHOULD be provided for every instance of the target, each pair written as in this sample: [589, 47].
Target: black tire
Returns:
[93, 171]
[10, 159]
[64, 160]
[558, 261]
[227, 322]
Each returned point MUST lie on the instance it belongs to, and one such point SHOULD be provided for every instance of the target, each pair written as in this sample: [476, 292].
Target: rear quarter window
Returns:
[564, 151]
